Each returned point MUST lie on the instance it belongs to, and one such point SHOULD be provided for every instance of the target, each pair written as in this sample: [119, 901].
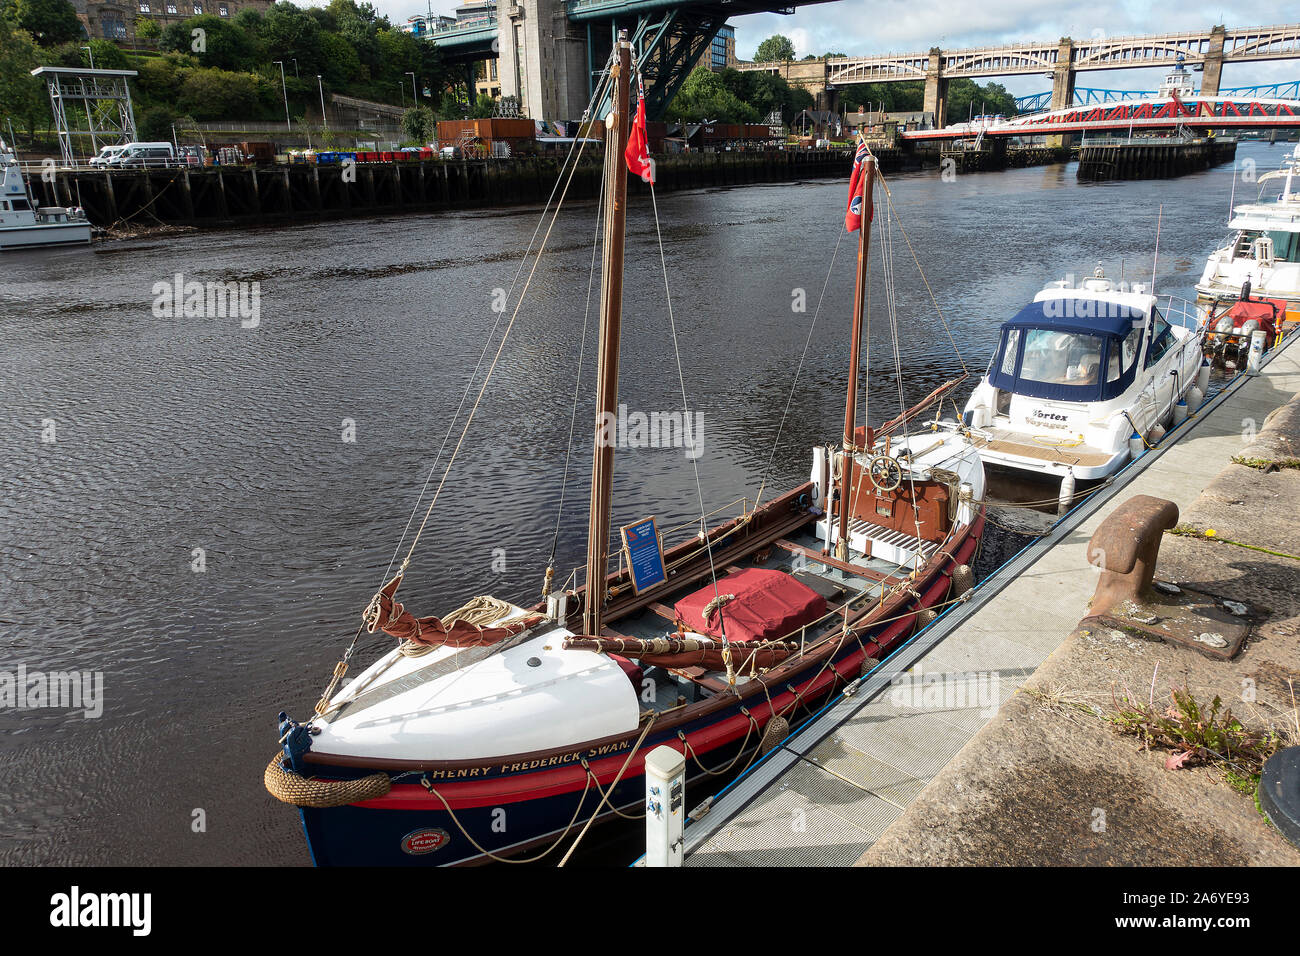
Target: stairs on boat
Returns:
[897, 546]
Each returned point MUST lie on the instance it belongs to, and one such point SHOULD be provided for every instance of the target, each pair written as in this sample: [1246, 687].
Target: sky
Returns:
[862, 27]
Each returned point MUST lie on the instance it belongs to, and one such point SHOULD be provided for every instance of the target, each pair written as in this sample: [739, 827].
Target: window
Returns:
[1161, 338]
[1061, 358]
[223, 10]
[21, 204]
[198, 8]
[1009, 352]
[171, 8]
[1285, 247]
[1123, 356]
[144, 7]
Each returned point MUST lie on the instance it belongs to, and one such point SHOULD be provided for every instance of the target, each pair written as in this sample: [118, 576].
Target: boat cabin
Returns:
[1073, 350]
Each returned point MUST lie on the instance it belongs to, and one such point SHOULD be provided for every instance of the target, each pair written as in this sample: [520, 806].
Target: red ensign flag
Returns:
[853, 215]
[638, 148]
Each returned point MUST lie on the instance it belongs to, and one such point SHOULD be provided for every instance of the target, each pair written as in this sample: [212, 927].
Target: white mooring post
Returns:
[1256, 354]
[665, 800]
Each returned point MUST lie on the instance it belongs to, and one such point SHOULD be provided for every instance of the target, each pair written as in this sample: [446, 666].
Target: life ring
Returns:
[293, 788]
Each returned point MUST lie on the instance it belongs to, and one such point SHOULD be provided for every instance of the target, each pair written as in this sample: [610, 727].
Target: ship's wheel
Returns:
[886, 473]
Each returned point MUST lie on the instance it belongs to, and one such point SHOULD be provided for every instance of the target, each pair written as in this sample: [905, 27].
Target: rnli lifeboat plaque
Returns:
[420, 842]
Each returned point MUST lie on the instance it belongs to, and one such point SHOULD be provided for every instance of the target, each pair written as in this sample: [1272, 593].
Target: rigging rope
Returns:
[571, 162]
[681, 380]
[577, 385]
[758, 499]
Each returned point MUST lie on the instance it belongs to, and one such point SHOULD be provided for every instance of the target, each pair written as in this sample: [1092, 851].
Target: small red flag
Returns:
[853, 215]
[638, 148]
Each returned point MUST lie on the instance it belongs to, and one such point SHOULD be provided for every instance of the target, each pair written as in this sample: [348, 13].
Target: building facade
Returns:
[117, 19]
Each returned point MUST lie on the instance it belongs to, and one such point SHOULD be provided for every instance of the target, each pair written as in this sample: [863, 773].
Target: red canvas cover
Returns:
[767, 605]
[1261, 310]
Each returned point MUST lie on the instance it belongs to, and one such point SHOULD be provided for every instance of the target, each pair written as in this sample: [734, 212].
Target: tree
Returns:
[147, 29]
[704, 97]
[48, 21]
[420, 125]
[215, 42]
[22, 96]
[774, 48]
[967, 98]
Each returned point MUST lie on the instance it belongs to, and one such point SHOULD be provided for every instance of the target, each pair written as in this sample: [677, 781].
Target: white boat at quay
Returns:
[1264, 247]
[1084, 377]
[22, 226]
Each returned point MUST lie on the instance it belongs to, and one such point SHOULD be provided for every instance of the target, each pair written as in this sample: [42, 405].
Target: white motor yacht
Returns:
[1084, 376]
[1263, 249]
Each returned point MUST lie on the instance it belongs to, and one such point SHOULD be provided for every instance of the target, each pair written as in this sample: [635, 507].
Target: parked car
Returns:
[105, 155]
[145, 154]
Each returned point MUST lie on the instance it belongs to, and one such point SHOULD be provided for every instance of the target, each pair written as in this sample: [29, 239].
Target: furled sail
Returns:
[459, 629]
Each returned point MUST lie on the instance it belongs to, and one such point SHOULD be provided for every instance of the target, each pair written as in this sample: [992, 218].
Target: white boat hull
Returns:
[44, 234]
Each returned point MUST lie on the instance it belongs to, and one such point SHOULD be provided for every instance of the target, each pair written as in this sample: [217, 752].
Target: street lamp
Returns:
[296, 74]
[414, 95]
[92, 56]
[401, 90]
[323, 118]
[284, 89]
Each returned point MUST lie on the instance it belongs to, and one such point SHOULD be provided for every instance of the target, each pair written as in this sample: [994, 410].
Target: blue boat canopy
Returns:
[1070, 349]
[1079, 315]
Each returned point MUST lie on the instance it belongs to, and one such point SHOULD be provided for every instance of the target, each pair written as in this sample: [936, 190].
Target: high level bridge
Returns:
[550, 50]
[1205, 51]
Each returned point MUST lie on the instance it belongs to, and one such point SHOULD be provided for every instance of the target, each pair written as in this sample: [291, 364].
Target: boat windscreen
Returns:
[1055, 363]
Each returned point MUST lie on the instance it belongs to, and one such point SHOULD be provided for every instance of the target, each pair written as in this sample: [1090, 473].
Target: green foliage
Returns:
[730, 96]
[50, 22]
[215, 42]
[22, 96]
[773, 49]
[220, 94]
[227, 70]
[891, 97]
[1199, 735]
[155, 124]
[147, 29]
[420, 125]
[107, 55]
[967, 98]
[705, 97]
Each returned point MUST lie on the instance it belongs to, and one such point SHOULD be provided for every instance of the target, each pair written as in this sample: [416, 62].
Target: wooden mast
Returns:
[611, 316]
[855, 348]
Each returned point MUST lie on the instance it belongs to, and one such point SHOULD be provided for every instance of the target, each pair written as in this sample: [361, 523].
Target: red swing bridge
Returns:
[1172, 113]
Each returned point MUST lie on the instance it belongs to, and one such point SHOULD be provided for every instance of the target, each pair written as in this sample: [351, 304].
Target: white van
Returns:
[105, 155]
[145, 154]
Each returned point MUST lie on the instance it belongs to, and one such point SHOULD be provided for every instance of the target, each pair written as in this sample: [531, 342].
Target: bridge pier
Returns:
[936, 89]
[1063, 76]
[1213, 74]
[551, 79]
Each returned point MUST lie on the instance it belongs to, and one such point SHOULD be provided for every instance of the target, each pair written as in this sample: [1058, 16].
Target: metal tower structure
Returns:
[101, 98]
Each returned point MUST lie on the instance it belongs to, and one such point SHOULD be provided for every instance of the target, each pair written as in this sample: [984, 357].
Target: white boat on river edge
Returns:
[24, 227]
[1083, 376]
[1264, 248]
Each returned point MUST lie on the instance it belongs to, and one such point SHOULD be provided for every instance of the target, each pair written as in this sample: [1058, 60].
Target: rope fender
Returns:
[293, 788]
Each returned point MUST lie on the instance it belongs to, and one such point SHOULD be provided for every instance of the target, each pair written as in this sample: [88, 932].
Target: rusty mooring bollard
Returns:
[1125, 547]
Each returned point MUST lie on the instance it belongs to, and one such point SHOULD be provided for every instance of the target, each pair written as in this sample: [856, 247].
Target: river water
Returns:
[201, 531]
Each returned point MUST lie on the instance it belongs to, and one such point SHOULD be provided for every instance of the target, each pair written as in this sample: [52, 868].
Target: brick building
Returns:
[116, 19]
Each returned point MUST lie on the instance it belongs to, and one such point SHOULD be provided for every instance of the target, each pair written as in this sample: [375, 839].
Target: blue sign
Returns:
[645, 555]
